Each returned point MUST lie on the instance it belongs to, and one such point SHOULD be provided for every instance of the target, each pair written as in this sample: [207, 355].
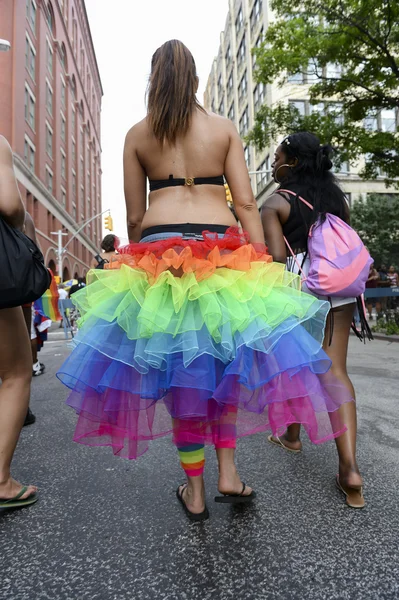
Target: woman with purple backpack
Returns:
[309, 195]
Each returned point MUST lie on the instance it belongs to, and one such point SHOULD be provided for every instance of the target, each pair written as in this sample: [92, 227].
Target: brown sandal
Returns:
[354, 496]
[276, 441]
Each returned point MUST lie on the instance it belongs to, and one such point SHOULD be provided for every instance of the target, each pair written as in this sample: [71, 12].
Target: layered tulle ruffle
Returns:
[185, 329]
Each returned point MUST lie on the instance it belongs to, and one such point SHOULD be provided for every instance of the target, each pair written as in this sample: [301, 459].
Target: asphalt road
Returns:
[110, 529]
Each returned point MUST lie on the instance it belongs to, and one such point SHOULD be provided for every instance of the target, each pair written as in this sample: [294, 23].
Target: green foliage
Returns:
[377, 222]
[362, 36]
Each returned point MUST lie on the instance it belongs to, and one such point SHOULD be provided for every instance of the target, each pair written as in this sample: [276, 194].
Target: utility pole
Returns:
[59, 233]
[61, 250]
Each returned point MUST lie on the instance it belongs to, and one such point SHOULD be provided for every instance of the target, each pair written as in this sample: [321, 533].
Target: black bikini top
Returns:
[157, 184]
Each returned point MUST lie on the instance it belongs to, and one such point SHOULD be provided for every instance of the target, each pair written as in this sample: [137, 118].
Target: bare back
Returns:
[210, 148]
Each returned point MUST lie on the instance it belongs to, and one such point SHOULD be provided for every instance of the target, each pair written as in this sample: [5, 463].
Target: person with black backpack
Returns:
[15, 350]
[108, 245]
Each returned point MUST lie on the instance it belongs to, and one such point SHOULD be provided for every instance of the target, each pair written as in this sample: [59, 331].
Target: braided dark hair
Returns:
[311, 176]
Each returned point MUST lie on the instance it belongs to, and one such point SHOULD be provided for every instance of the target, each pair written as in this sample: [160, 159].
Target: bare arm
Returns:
[237, 177]
[11, 208]
[274, 212]
[135, 187]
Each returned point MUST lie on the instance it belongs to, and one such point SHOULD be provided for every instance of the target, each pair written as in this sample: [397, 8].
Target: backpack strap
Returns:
[300, 197]
[285, 239]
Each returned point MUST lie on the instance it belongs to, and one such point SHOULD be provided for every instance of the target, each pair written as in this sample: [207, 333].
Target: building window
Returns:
[49, 98]
[73, 152]
[263, 175]
[50, 57]
[388, 120]
[256, 13]
[49, 179]
[371, 122]
[296, 77]
[30, 58]
[63, 57]
[230, 84]
[220, 86]
[50, 17]
[74, 211]
[29, 154]
[258, 43]
[63, 94]
[82, 140]
[63, 128]
[74, 36]
[63, 197]
[241, 52]
[228, 55]
[319, 108]
[313, 71]
[239, 21]
[31, 14]
[81, 199]
[242, 88]
[63, 165]
[259, 96]
[333, 70]
[221, 108]
[73, 124]
[230, 114]
[49, 140]
[244, 122]
[73, 185]
[247, 156]
[299, 105]
[82, 170]
[30, 107]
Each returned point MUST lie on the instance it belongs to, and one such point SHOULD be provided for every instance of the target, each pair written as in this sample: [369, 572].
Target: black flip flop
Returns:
[203, 516]
[236, 498]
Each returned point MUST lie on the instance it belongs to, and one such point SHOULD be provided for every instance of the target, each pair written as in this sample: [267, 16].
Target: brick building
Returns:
[50, 102]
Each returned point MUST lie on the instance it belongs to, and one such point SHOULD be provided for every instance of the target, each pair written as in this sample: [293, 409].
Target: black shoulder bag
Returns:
[23, 275]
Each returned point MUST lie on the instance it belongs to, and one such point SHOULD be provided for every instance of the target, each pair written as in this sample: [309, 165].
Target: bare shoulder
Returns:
[222, 122]
[275, 202]
[137, 133]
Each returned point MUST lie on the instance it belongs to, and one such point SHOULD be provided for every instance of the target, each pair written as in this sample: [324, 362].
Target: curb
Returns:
[382, 337]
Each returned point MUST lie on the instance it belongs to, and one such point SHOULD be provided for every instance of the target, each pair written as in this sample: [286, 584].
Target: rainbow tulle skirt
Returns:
[179, 332]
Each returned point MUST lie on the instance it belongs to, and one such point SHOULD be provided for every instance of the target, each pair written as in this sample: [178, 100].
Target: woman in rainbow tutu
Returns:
[192, 329]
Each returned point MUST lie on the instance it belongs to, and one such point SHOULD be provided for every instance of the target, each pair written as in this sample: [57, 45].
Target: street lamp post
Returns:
[62, 249]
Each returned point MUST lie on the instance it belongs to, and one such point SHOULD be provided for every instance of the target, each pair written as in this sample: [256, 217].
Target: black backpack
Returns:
[23, 275]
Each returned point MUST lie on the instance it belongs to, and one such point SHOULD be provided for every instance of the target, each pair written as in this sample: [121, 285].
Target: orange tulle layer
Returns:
[201, 257]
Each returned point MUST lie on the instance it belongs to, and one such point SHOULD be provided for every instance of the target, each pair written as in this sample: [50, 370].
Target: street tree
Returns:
[348, 50]
[377, 222]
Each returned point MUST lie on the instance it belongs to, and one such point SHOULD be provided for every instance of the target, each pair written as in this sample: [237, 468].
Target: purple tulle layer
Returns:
[125, 407]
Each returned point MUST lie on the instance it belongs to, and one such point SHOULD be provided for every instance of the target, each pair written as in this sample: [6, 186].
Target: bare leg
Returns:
[229, 480]
[225, 434]
[338, 351]
[16, 374]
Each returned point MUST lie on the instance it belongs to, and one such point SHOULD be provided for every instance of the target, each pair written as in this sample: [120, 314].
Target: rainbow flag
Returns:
[47, 305]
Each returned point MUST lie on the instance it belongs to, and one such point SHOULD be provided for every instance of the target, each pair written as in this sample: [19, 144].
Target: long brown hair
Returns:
[171, 91]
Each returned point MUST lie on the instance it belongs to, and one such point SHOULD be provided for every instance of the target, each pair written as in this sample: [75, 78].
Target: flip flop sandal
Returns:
[276, 441]
[17, 502]
[203, 516]
[236, 498]
[354, 497]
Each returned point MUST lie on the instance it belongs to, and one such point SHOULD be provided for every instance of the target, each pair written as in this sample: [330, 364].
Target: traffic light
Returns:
[108, 224]
[229, 198]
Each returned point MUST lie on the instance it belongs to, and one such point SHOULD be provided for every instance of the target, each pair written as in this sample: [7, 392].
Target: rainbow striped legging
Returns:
[192, 455]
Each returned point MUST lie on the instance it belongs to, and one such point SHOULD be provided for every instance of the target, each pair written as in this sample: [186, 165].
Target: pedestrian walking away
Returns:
[15, 353]
[109, 247]
[192, 329]
[302, 168]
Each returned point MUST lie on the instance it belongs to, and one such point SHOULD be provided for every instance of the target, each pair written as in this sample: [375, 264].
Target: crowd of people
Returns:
[201, 327]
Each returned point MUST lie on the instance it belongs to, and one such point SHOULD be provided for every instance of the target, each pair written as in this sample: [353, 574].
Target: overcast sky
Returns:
[126, 33]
